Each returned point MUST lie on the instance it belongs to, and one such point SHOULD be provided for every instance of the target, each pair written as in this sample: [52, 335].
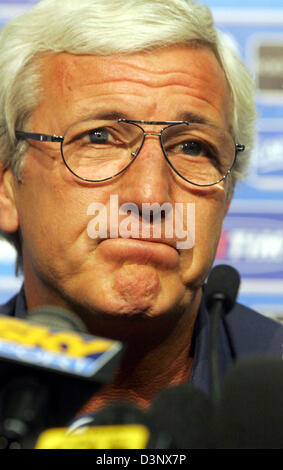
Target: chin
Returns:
[117, 308]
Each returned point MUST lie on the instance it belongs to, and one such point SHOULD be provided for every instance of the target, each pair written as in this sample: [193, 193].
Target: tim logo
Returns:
[253, 243]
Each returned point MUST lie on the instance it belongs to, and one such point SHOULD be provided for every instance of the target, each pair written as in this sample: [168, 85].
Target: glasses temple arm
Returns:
[39, 137]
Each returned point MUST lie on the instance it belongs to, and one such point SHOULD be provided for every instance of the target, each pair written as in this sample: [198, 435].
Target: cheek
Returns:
[209, 215]
[50, 216]
[209, 219]
[205, 215]
[54, 220]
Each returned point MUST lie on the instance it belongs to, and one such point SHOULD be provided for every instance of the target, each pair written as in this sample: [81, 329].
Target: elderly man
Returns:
[108, 108]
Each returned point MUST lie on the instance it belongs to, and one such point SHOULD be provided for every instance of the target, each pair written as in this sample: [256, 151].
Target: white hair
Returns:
[106, 27]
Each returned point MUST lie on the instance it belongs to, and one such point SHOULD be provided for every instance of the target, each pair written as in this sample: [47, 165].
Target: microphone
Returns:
[220, 296]
[48, 372]
[180, 417]
[120, 425]
[125, 414]
[249, 415]
[56, 318]
[185, 414]
[250, 412]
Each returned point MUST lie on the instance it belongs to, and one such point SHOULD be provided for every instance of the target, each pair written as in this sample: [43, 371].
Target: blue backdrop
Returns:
[252, 237]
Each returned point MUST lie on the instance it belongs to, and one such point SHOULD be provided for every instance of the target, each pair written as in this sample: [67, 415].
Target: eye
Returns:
[194, 148]
[99, 136]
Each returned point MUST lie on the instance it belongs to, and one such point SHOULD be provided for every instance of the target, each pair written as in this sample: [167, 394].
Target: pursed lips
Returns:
[159, 252]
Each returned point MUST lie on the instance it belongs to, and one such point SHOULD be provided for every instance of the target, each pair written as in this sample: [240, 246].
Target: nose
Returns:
[134, 154]
[147, 180]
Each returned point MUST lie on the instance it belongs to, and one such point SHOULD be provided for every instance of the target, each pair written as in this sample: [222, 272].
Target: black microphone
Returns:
[249, 414]
[180, 417]
[48, 372]
[185, 415]
[120, 425]
[126, 413]
[220, 296]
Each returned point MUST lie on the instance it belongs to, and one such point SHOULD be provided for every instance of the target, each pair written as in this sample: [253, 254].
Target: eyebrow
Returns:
[193, 117]
[115, 115]
[107, 115]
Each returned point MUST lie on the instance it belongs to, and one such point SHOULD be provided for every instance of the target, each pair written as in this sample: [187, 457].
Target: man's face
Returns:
[118, 276]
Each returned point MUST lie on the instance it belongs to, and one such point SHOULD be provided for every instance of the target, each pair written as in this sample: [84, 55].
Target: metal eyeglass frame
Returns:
[55, 138]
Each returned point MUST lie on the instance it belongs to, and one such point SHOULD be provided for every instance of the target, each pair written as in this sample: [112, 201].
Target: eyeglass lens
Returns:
[100, 149]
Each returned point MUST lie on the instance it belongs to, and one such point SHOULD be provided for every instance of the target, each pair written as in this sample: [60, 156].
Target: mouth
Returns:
[141, 251]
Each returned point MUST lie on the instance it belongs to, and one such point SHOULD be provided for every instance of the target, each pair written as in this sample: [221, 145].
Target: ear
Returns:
[9, 220]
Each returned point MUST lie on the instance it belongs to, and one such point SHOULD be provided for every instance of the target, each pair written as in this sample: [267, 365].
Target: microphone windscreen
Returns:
[57, 318]
[122, 415]
[184, 413]
[250, 412]
[119, 413]
[223, 283]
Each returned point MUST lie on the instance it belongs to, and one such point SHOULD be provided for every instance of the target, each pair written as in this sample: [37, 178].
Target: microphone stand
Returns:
[217, 312]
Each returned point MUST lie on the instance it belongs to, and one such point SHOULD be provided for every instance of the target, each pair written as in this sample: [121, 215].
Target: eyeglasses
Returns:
[98, 150]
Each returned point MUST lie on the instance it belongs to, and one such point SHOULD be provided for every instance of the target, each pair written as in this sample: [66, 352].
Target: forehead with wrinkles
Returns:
[62, 66]
[67, 78]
